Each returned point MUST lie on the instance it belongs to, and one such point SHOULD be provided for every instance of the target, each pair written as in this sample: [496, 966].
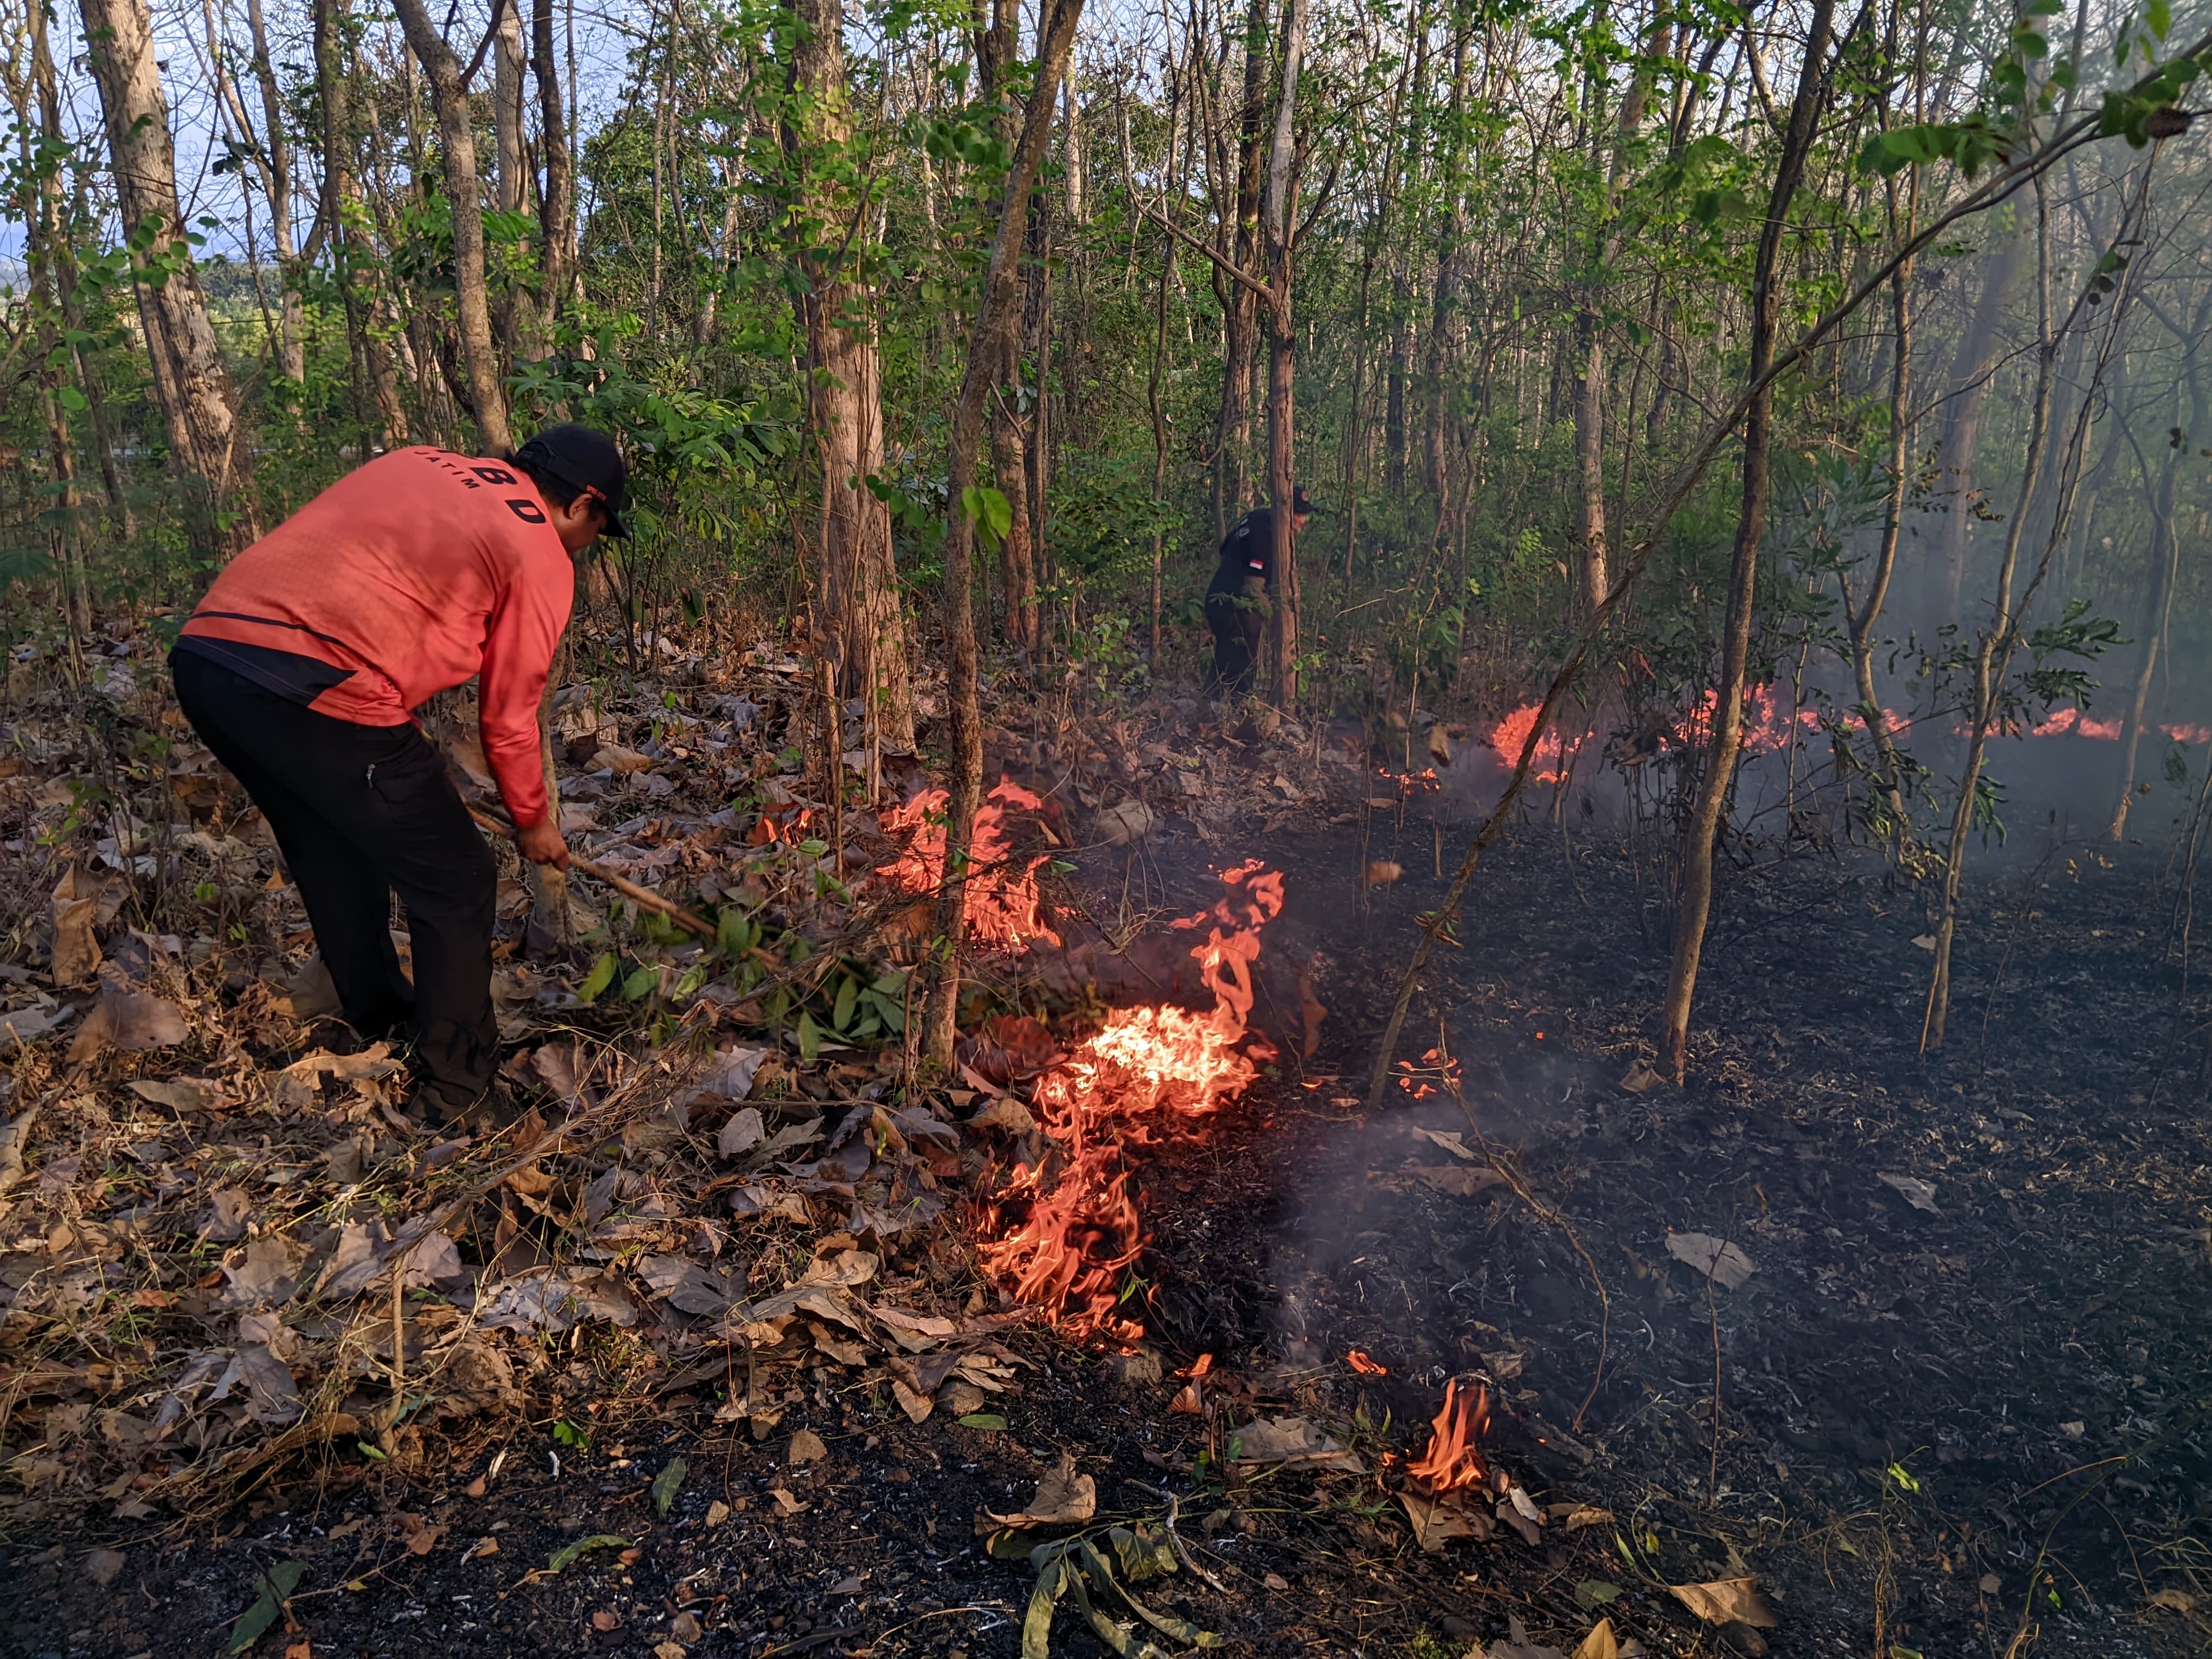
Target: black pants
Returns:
[1236, 629]
[361, 813]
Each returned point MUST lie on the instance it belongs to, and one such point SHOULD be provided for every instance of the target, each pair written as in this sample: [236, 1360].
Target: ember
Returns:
[1359, 1360]
[1451, 1461]
[1003, 909]
[1062, 1234]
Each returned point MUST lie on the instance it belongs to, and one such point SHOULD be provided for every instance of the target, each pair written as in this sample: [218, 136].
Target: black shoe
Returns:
[442, 1106]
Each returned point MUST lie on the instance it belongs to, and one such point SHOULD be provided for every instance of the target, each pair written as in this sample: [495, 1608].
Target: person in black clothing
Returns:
[1237, 601]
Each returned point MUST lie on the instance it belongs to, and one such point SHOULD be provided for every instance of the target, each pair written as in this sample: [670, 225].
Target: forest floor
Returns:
[1960, 1377]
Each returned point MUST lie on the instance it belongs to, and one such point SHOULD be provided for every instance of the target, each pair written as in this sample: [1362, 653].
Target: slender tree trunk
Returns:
[67, 295]
[1394, 394]
[1240, 307]
[1444, 318]
[996, 318]
[1993, 654]
[1589, 344]
[292, 338]
[209, 447]
[516, 326]
[1859, 620]
[1282, 213]
[449, 97]
[557, 209]
[2165, 564]
[1960, 434]
[1715, 786]
[856, 583]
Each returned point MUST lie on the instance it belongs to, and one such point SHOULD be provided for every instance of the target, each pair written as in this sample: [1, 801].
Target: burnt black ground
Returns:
[2032, 1357]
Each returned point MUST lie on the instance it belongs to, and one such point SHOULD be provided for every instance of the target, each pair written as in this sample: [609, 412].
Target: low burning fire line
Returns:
[1062, 1234]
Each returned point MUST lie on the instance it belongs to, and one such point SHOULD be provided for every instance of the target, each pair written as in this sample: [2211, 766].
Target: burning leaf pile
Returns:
[1064, 1230]
[1003, 904]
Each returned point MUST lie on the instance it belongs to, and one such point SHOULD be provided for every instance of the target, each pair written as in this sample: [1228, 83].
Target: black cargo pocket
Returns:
[408, 768]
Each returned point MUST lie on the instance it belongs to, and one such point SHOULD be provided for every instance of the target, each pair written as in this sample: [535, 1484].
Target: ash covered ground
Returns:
[1960, 1393]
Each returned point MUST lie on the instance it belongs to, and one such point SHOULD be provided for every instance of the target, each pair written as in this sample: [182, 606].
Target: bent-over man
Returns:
[301, 668]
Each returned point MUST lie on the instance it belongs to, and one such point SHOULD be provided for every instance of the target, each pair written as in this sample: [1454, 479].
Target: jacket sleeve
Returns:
[518, 654]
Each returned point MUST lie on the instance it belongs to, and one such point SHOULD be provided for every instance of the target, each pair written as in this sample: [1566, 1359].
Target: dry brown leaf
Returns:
[1718, 1259]
[1064, 1498]
[785, 1502]
[1587, 1514]
[1457, 1180]
[1599, 1644]
[1294, 1442]
[70, 914]
[603, 1621]
[1642, 1078]
[101, 1566]
[1920, 1194]
[1436, 1521]
[1728, 1601]
[421, 1536]
[128, 1019]
[806, 1447]
[1381, 872]
[916, 1405]
[717, 1512]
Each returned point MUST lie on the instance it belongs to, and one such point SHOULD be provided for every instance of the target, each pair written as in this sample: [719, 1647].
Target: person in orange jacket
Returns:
[301, 668]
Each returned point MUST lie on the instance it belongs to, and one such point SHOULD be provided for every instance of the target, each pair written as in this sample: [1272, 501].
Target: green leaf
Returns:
[278, 1583]
[73, 400]
[1037, 1621]
[990, 512]
[666, 1484]
[601, 976]
[568, 1553]
[639, 981]
[1903, 1476]
[2159, 16]
[847, 994]
[810, 1036]
[989, 1422]
[1595, 1592]
[369, 1451]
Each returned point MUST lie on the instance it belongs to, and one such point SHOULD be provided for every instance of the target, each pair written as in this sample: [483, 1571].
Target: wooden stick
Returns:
[630, 889]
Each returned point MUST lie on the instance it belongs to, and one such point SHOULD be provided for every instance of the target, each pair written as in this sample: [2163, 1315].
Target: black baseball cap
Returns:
[586, 457]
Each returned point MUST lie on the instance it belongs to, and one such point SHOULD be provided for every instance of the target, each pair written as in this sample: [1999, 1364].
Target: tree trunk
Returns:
[449, 97]
[860, 629]
[510, 184]
[209, 447]
[1393, 395]
[1589, 346]
[1715, 786]
[292, 338]
[1960, 435]
[996, 319]
[2165, 564]
[1993, 654]
[1859, 620]
[1240, 307]
[1282, 363]
[68, 296]
[556, 209]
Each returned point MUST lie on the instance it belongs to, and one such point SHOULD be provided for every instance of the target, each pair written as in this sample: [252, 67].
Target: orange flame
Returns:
[1062, 1239]
[1002, 900]
[1359, 1360]
[1451, 1461]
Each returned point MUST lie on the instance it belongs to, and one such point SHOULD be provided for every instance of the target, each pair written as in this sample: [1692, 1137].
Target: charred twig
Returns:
[1511, 1176]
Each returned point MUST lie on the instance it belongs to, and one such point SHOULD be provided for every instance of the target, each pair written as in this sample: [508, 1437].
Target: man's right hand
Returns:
[541, 843]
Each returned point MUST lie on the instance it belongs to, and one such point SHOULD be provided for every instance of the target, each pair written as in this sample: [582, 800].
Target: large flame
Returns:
[1002, 899]
[1452, 1460]
[1062, 1234]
